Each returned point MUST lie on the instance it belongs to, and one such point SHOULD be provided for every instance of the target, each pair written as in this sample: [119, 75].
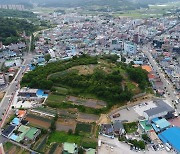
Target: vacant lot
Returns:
[83, 117]
[92, 103]
[38, 121]
[65, 125]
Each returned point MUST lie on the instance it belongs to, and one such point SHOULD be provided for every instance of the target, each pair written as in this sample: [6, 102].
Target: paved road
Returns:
[171, 97]
[167, 84]
[6, 101]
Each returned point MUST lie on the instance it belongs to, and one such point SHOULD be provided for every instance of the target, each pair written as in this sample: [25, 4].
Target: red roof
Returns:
[151, 76]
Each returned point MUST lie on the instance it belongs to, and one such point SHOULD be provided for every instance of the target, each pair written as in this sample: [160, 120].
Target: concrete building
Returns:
[162, 110]
[130, 48]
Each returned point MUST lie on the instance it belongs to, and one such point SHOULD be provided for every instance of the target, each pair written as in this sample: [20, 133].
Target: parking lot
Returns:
[126, 114]
[113, 146]
[139, 109]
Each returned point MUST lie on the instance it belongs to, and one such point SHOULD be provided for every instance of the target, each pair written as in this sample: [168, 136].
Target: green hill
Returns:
[90, 77]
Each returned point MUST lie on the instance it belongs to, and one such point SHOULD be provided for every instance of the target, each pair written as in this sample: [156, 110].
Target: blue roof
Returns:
[162, 123]
[13, 137]
[155, 128]
[137, 62]
[40, 60]
[16, 121]
[32, 67]
[155, 119]
[40, 93]
[172, 137]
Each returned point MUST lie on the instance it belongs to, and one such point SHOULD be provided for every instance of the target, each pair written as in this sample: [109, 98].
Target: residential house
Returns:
[70, 148]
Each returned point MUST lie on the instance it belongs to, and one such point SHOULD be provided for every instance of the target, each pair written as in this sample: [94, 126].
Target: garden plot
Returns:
[65, 125]
[38, 121]
[83, 127]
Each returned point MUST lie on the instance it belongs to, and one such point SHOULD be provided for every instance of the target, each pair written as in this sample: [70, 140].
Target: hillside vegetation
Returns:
[107, 80]
[11, 29]
[16, 13]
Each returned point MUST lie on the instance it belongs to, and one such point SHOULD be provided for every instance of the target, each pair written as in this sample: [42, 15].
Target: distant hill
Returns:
[125, 4]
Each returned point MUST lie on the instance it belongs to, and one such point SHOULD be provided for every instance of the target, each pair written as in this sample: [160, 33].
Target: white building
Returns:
[130, 48]
[2, 79]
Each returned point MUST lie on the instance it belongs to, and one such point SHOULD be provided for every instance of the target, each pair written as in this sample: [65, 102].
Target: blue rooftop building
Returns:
[172, 137]
[15, 121]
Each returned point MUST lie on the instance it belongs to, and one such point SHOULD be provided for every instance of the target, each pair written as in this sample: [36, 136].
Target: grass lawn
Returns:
[61, 90]
[56, 98]
[82, 127]
[130, 127]
[61, 137]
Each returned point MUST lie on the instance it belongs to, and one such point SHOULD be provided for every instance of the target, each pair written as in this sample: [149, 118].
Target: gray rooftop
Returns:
[161, 107]
[118, 125]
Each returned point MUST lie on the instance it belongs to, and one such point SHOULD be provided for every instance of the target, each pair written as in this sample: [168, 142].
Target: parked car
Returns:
[116, 115]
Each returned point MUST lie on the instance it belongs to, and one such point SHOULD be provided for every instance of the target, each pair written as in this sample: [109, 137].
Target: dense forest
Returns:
[16, 13]
[105, 86]
[11, 29]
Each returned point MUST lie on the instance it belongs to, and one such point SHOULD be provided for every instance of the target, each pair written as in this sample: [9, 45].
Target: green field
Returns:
[56, 98]
[152, 11]
[61, 137]
[82, 127]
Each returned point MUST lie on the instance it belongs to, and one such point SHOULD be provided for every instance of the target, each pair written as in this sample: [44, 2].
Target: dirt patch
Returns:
[65, 124]
[104, 119]
[38, 123]
[83, 117]
[58, 149]
[1, 95]
[92, 103]
[84, 69]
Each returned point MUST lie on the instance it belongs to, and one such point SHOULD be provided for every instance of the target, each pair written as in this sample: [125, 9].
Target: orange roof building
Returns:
[21, 113]
[147, 68]
[151, 76]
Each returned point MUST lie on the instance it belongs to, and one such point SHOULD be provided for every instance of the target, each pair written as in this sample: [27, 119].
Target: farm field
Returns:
[61, 137]
[153, 11]
[83, 128]
[40, 144]
[10, 148]
[38, 121]
[65, 125]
